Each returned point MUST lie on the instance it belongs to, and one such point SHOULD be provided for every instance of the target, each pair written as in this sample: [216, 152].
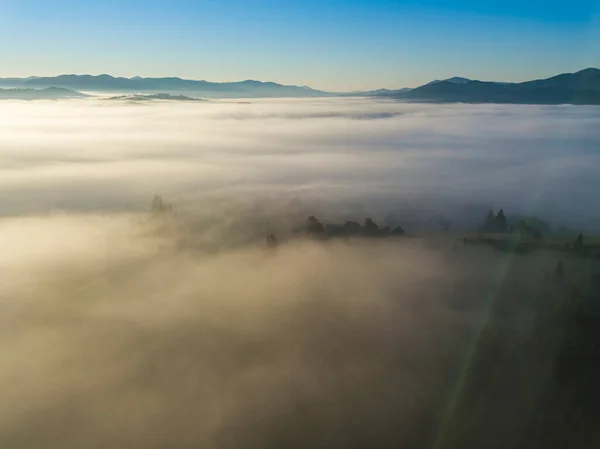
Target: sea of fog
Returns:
[417, 161]
[124, 329]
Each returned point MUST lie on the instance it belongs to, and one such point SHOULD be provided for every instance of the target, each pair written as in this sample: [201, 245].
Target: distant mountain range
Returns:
[582, 87]
[110, 84]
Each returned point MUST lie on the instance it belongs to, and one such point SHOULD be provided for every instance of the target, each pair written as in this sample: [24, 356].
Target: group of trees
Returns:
[495, 223]
[315, 229]
[498, 223]
[159, 206]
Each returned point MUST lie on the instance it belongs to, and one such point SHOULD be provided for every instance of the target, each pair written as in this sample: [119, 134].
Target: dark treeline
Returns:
[315, 229]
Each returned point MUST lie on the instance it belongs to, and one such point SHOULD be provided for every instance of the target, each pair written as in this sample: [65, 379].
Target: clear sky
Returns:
[327, 44]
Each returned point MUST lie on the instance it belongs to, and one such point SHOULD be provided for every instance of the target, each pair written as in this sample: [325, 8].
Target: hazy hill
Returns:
[453, 80]
[150, 97]
[39, 94]
[582, 87]
[380, 92]
[107, 83]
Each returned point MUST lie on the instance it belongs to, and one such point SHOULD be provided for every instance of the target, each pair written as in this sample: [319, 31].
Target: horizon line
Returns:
[137, 77]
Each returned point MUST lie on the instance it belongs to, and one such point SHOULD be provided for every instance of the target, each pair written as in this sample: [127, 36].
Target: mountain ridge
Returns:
[201, 88]
[454, 80]
[581, 88]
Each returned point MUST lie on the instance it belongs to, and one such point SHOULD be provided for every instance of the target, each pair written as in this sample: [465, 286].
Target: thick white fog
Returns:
[113, 335]
[119, 328]
[371, 155]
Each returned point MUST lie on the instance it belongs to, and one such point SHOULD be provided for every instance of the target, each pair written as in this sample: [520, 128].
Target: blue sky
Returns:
[335, 45]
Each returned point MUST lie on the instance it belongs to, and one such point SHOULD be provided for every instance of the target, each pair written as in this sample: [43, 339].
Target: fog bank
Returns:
[368, 155]
[113, 334]
[122, 328]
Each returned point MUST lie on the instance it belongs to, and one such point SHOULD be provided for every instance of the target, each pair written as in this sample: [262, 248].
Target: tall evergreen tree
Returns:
[314, 227]
[501, 223]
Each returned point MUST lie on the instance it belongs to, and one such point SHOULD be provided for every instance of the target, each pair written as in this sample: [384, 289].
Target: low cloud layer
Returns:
[120, 328]
[90, 155]
[112, 334]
